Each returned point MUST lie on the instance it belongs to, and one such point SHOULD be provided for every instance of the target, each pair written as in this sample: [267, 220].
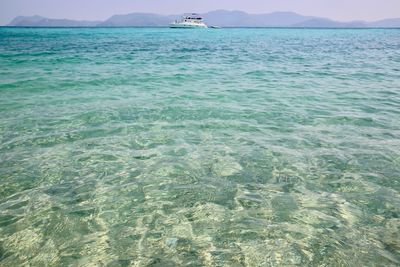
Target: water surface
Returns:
[232, 147]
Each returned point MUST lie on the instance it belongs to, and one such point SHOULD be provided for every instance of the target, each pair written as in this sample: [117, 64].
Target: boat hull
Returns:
[187, 26]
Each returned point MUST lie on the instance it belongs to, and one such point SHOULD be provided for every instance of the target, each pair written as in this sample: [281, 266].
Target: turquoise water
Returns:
[232, 147]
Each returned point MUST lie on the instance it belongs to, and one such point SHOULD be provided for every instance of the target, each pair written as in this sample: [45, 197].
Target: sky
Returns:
[343, 10]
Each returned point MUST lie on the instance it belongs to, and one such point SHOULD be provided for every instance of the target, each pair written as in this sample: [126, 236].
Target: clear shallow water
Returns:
[239, 147]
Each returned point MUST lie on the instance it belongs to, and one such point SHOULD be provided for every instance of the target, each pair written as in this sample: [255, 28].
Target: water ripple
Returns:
[237, 147]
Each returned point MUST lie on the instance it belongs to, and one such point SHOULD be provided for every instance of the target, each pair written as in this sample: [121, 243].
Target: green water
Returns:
[232, 147]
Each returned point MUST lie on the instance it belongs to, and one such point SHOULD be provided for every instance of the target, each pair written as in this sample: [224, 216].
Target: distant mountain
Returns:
[138, 20]
[327, 23]
[386, 23]
[222, 18]
[21, 20]
[38, 21]
[225, 18]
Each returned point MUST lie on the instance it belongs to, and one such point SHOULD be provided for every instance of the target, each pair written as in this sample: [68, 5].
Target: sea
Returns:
[215, 147]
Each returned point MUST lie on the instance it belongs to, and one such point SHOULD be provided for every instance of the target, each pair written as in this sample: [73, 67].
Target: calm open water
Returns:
[232, 147]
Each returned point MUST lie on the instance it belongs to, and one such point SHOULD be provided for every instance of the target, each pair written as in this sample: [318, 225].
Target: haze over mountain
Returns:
[222, 18]
[38, 21]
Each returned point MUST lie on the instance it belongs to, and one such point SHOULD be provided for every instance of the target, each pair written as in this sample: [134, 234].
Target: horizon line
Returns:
[229, 27]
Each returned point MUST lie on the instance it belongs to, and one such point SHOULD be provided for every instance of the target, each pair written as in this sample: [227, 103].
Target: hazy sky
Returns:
[101, 9]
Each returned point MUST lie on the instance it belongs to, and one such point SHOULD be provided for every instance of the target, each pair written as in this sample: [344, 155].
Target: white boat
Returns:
[192, 21]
